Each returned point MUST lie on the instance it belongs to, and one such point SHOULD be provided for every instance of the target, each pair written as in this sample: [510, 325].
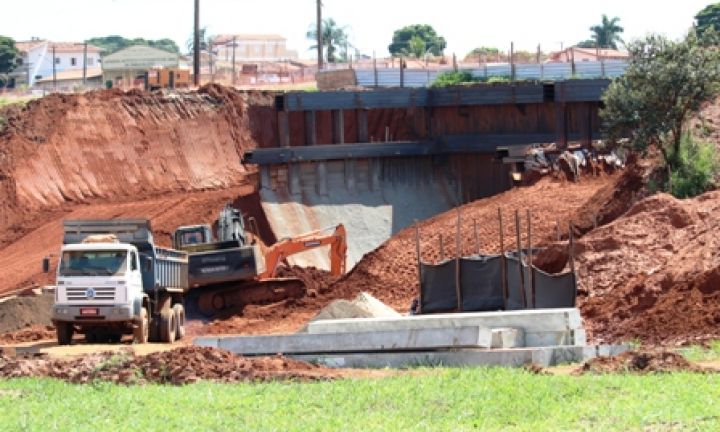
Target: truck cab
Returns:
[112, 280]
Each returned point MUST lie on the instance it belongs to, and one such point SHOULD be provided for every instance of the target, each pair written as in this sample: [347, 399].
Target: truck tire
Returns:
[64, 333]
[167, 326]
[141, 333]
[179, 312]
[91, 337]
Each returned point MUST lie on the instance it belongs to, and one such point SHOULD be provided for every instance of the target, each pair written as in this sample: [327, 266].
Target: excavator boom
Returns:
[285, 248]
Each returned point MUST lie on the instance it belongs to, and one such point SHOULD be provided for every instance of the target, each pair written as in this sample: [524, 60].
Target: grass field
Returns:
[434, 399]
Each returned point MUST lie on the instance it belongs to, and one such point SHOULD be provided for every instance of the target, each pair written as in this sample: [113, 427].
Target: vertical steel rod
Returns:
[523, 294]
[458, 252]
[530, 259]
[419, 267]
[503, 262]
[571, 257]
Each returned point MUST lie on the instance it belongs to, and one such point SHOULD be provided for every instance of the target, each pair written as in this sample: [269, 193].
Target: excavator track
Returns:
[215, 300]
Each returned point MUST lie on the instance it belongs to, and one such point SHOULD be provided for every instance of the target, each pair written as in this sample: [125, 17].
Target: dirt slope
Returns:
[21, 260]
[654, 274]
[109, 145]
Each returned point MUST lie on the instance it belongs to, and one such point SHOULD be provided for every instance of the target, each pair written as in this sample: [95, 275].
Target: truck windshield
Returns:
[93, 263]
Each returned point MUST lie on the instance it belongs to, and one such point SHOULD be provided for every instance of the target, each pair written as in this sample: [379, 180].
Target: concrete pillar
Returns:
[338, 119]
[362, 122]
[561, 124]
[321, 185]
[294, 178]
[284, 129]
[310, 128]
[265, 181]
[350, 175]
[374, 180]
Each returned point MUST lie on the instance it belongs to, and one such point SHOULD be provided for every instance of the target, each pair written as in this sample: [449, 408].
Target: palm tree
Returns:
[607, 34]
[333, 37]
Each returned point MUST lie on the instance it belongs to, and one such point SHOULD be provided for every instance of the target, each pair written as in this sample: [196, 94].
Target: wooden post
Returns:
[402, 73]
[455, 63]
[375, 70]
[458, 252]
[523, 294]
[338, 126]
[503, 262]
[512, 61]
[530, 259]
[419, 266]
[234, 72]
[362, 121]
[196, 45]
[310, 128]
[319, 30]
[54, 69]
[571, 258]
[284, 128]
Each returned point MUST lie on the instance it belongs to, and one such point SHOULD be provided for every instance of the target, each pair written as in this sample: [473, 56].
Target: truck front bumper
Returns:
[105, 314]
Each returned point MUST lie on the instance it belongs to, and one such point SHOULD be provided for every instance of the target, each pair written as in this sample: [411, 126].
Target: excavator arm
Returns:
[285, 248]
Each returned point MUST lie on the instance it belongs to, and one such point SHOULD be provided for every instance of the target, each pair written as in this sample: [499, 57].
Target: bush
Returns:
[447, 79]
[696, 166]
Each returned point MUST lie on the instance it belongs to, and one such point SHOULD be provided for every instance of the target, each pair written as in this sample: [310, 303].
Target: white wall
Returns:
[40, 59]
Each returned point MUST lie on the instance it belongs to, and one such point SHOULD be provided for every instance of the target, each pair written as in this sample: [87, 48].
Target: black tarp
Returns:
[481, 286]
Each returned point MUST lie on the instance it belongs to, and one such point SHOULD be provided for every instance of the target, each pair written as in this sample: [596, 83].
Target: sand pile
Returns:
[180, 366]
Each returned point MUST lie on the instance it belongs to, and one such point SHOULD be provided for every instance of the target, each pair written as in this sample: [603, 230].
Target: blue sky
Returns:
[371, 23]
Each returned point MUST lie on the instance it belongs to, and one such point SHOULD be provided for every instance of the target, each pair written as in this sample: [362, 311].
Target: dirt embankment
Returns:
[108, 145]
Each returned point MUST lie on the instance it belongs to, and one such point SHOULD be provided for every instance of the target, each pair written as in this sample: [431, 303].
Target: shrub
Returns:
[696, 166]
[447, 79]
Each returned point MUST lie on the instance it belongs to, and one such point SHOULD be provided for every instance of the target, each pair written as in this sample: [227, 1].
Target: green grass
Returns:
[15, 100]
[697, 353]
[435, 399]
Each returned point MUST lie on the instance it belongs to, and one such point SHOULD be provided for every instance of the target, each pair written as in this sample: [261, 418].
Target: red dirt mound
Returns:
[32, 334]
[112, 145]
[654, 274]
[180, 366]
[641, 362]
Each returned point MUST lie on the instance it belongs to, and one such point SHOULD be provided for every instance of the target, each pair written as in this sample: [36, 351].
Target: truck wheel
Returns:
[142, 331]
[167, 326]
[179, 312]
[91, 337]
[64, 333]
[115, 338]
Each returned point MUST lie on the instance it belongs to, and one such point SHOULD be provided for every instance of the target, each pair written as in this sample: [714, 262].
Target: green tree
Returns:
[587, 43]
[8, 54]
[665, 83]
[708, 18]
[114, 43]
[607, 33]
[334, 37]
[416, 47]
[401, 44]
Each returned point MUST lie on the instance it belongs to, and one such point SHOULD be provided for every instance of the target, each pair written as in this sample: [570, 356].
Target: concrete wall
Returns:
[334, 80]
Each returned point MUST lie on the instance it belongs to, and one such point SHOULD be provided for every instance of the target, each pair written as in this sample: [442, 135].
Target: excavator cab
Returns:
[189, 236]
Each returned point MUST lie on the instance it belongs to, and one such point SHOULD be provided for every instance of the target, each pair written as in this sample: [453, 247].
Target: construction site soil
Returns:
[649, 271]
[182, 365]
[640, 362]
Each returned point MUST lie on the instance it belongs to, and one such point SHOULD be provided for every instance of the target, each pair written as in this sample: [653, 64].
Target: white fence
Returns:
[541, 72]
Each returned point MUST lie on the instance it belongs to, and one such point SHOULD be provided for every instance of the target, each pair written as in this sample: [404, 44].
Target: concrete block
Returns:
[544, 356]
[539, 320]
[303, 343]
[508, 338]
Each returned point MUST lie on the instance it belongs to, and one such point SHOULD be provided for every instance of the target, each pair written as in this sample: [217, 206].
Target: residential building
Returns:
[128, 66]
[70, 80]
[252, 48]
[577, 54]
[38, 56]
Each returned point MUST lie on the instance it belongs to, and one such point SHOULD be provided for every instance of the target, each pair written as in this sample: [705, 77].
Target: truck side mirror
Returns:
[46, 265]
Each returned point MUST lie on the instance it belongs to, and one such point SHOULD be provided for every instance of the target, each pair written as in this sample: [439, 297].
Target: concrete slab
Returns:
[540, 320]
[547, 356]
[508, 338]
[302, 343]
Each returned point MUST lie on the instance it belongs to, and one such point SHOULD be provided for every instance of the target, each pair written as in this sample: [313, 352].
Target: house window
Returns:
[57, 60]
[73, 61]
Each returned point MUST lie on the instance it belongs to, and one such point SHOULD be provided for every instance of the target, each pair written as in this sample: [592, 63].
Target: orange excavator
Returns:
[233, 268]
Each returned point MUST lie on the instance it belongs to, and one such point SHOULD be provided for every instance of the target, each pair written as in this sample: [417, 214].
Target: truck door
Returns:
[135, 287]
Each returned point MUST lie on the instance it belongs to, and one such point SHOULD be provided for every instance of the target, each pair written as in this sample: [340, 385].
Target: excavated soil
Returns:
[652, 274]
[18, 313]
[640, 362]
[390, 272]
[182, 365]
[110, 146]
[33, 333]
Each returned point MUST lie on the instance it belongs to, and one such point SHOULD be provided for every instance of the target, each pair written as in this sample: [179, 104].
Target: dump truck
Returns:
[229, 266]
[112, 280]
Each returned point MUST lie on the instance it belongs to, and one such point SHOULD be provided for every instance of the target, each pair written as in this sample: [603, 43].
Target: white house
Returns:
[37, 57]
